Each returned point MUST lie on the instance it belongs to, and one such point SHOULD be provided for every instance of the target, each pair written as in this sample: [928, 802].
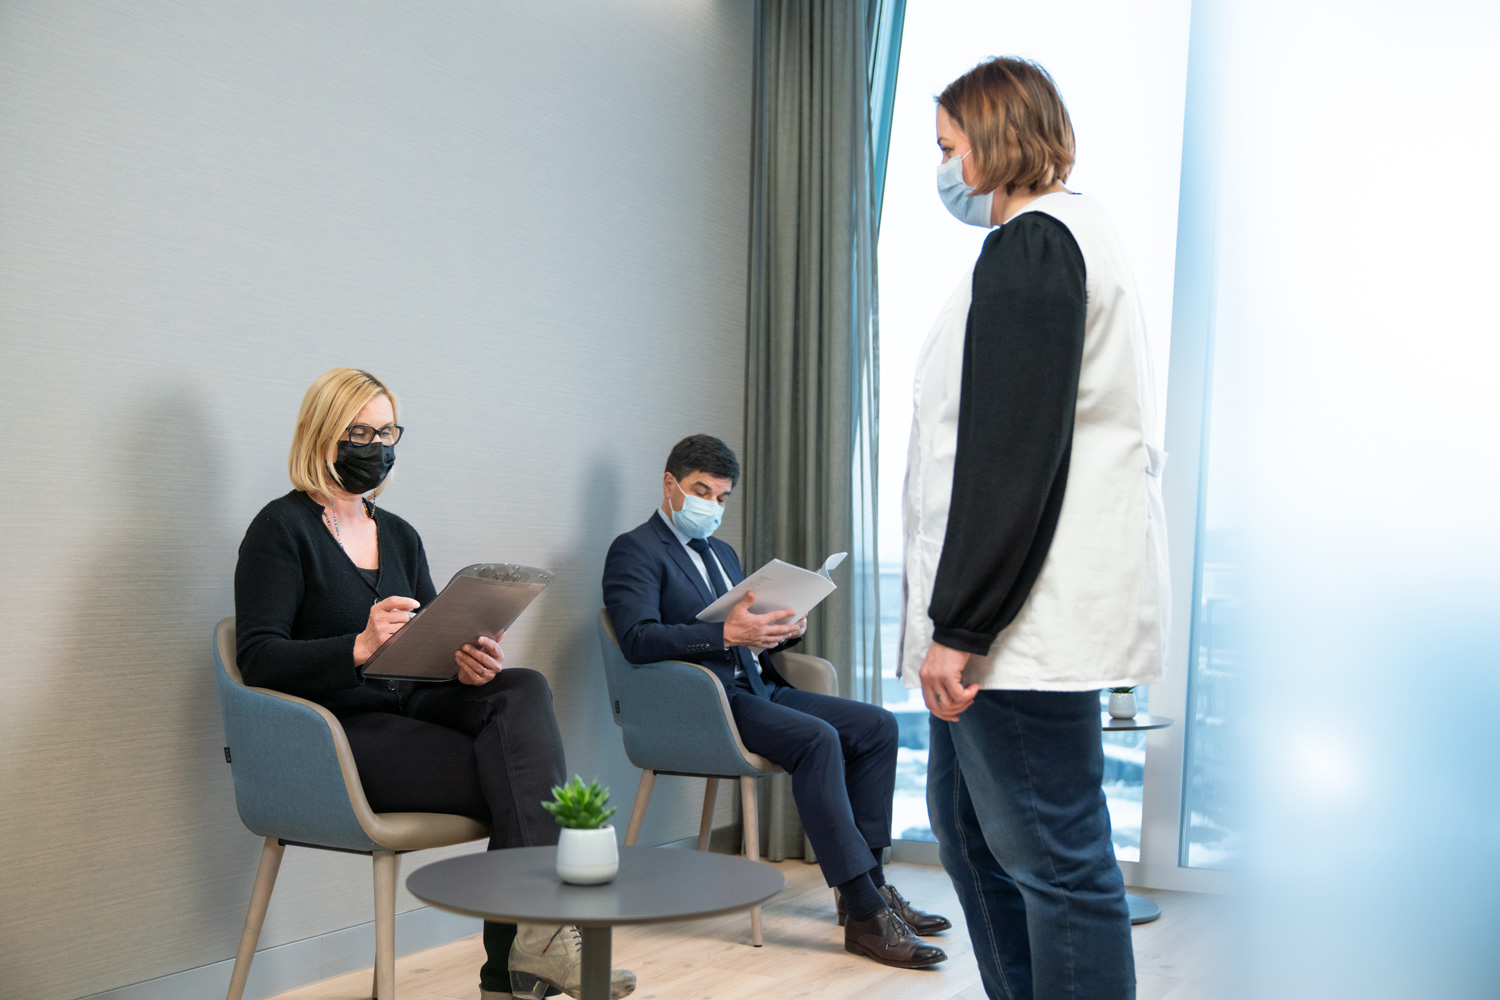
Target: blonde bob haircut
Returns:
[1017, 125]
[330, 406]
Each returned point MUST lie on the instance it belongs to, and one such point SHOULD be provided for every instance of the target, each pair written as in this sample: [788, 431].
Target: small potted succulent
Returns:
[1122, 703]
[586, 851]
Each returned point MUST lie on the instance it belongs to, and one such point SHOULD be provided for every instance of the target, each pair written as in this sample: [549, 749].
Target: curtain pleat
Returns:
[811, 403]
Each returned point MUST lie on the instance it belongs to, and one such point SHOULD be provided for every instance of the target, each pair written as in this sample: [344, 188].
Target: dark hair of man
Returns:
[701, 453]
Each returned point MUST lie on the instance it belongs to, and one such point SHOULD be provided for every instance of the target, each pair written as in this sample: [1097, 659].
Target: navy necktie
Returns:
[744, 656]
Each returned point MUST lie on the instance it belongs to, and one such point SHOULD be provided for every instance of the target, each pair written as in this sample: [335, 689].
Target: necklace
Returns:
[331, 518]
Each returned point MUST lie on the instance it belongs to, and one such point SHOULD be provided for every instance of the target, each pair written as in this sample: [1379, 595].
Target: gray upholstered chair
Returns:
[295, 783]
[675, 719]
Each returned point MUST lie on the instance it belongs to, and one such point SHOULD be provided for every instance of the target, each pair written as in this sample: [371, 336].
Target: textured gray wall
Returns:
[529, 218]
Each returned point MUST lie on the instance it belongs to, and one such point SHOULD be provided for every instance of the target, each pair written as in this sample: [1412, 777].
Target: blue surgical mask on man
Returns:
[698, 517]
[956, 194]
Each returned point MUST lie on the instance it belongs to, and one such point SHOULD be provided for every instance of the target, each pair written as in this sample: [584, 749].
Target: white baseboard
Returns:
[1137, 875]
[298, 963]
[288, 966]
[1177, 879]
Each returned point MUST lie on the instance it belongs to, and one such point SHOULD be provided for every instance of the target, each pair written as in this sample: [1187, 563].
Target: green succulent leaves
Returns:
[579, 806]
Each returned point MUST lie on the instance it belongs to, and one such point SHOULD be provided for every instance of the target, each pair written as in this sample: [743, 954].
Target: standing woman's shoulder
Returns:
[1032, 255]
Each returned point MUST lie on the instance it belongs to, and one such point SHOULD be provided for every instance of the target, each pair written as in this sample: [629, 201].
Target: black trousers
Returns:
[492, 752]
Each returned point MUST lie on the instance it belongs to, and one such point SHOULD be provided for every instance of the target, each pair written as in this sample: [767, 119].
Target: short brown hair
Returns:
[1017, 125]
[334, 399]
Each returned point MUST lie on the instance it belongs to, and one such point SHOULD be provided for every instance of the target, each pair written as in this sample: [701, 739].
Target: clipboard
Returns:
[779, 585]
[482, 599]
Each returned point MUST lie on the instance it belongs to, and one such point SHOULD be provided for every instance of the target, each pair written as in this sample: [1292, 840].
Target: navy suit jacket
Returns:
[653, 593]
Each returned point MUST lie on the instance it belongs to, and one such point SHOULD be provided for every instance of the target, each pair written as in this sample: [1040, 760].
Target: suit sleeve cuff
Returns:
[975, 643]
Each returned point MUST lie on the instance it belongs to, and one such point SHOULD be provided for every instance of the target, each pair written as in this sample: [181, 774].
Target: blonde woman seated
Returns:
[324, 577]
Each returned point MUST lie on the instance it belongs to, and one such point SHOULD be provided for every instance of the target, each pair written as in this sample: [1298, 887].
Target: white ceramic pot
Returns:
[1122, 704]
[587, 857]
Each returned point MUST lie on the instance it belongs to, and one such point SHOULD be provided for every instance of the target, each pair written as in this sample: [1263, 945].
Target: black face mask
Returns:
[362, 467]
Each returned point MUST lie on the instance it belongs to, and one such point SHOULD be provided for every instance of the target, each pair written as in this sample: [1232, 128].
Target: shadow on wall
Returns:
[119, 813]
[593, 740]
[578, 674]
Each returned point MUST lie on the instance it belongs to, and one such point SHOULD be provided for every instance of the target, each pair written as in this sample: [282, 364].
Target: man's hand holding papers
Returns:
[744, 627]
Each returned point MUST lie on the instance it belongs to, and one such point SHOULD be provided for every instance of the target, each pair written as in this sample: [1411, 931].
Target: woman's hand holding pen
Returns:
[480, 662]
[385, 618]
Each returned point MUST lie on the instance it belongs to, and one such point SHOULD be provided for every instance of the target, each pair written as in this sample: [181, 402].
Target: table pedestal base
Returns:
[596, 960]
[1142, 910]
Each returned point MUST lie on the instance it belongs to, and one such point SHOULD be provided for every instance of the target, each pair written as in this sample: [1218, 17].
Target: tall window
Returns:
[1123, 81]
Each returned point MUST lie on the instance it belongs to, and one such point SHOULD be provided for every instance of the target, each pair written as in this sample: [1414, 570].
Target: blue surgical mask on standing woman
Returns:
[698, 517]
[956, 194]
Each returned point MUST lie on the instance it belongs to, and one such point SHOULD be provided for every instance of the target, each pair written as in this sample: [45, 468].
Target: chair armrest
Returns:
[295, 777]
[289, 780]
[806, 673]
[675, 716]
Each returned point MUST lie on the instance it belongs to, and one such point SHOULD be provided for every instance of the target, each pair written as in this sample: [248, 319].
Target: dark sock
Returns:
[494, 974]
[877, 874]
[861, 897]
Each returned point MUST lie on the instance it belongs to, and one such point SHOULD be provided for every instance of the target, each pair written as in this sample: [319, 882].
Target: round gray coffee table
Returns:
[654, 885]
[1142, 910]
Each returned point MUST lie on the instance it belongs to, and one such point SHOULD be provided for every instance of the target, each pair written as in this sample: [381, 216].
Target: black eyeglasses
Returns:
[365, 434]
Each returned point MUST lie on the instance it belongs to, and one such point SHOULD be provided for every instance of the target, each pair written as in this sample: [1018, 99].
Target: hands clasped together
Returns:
[478, 663]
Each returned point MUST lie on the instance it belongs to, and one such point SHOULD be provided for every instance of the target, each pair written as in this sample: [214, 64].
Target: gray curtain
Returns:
[812, 363]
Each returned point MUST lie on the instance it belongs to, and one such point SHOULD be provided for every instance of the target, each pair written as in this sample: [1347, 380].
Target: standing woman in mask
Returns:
[1035, 555]
[324, 578]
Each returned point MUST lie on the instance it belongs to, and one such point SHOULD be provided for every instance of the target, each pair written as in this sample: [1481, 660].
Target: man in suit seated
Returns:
[840, 753]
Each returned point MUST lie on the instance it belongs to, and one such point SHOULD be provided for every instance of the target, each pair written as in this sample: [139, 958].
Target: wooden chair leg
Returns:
[260, 898]
[638, 811]
[752, 844]
[710, 795]
[386, 867]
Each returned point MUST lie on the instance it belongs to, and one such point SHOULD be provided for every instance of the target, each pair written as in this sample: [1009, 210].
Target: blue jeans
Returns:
[1014, 793]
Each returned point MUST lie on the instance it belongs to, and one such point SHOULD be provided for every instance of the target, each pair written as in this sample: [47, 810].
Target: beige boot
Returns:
[547, 955]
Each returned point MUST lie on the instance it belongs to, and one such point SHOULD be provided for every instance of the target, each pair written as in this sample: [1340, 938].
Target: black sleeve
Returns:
[424, 591]
[270, 587]
[1023, 349]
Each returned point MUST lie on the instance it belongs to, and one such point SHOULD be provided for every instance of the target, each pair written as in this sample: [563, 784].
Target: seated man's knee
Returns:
[814, 741]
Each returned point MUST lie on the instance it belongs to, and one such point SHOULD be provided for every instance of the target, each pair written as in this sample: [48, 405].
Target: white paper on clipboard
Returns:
[779, 585]
[482, 599]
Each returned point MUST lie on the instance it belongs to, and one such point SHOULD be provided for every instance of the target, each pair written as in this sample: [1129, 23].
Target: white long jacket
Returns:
[1097, 614]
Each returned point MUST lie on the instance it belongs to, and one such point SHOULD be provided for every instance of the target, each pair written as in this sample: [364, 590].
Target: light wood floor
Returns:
[1177, 957]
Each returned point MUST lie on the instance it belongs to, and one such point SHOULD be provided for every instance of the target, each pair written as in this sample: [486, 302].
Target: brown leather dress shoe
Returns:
[919, 921]
[886, 938]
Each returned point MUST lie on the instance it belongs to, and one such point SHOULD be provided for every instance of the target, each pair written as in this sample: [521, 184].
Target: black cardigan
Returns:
[300, 602]
[1023, 351]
